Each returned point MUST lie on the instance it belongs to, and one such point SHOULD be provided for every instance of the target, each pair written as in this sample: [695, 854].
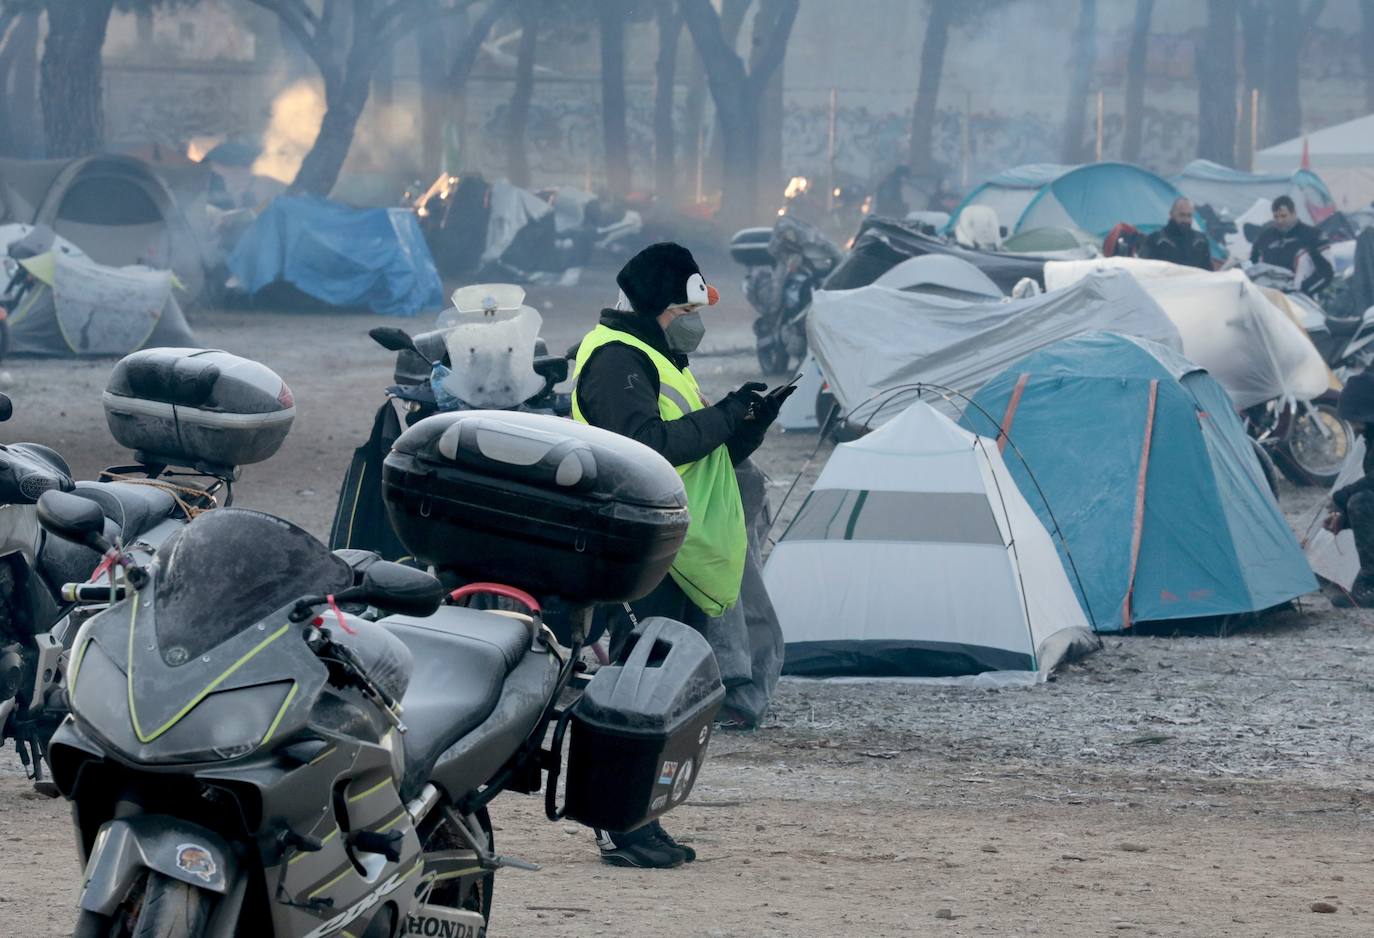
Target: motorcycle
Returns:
[43, 601]
[270, 739]
[784, 266]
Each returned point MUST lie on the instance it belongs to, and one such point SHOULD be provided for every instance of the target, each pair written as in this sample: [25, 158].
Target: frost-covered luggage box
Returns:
[199, 408]
[551, 506]
[641, 729]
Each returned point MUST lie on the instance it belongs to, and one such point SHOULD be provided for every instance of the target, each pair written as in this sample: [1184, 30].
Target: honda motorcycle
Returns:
[269, 739]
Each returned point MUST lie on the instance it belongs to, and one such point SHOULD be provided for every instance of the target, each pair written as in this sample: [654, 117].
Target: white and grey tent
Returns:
[916, 556]
[873, 340]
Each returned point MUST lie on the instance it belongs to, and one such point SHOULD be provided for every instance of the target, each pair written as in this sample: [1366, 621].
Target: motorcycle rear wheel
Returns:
[160, 908]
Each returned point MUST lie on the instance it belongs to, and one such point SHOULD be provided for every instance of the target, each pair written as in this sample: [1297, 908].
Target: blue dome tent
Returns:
[1138, 456]
[1092, 198]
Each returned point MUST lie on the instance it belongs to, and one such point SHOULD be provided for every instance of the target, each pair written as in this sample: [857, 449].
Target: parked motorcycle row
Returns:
[260, 736]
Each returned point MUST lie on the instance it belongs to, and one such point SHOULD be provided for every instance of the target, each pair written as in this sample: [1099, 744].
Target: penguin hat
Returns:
[663, 275]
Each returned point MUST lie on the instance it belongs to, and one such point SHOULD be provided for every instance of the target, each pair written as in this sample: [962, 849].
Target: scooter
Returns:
[269, 739]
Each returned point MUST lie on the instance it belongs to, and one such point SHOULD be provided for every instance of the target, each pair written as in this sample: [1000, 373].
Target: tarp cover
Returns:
[356, 258]
[874, 339]
[1227, 324]
[1085, 417]
[916, 556]
[1233, 192]
[882, 243]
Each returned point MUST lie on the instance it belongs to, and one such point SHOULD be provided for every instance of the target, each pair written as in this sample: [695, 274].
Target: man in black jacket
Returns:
[1178, 242]
[1353, 506]
[1281, 242]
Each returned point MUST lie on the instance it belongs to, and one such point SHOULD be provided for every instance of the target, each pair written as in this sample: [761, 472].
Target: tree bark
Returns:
[665, 76]
[18, 78]
[1137, 60]
[1216, 72]
[615, 139]
[1367, 44]
[770, 168]
[1292, 24]
[693, 119]
[71, 79]
[928, 87]
[321, 166]
[732, 15]
[1073, 148]
[431, 53]
[464, 59]
[518, 114]
[1254, 32]
[738, 94]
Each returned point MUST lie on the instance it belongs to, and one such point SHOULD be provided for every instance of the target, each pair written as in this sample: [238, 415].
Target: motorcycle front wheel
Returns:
[470, 893]
[1315, 447]
[158, 907]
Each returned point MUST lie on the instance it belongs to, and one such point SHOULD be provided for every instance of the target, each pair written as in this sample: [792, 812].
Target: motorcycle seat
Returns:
[135, 508]
[462, 657]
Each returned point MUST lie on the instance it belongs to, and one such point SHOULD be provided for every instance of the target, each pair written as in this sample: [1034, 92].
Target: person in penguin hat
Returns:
[632, 377]
[1353, 506]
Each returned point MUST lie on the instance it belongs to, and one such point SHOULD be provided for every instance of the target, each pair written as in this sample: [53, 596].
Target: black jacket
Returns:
[1281, 249]
[617, 390]
[1187, 247]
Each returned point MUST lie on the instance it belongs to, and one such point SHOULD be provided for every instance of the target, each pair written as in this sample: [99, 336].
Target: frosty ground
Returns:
[1166, 785]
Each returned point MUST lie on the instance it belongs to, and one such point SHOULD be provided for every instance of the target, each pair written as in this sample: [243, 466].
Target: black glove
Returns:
[741, 403]
[767, 411]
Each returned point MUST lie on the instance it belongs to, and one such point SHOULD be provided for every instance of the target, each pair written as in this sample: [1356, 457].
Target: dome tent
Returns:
[915, 556]
[1139, 457]
[116, 209]
[1233, 191]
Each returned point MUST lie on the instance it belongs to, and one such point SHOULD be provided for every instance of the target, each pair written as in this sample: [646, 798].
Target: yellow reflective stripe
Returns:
[281, 712]
[209, 688]
[375, 788]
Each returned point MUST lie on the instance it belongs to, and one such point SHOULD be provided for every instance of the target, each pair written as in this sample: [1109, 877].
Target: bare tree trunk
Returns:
[1216, 73]
[615, 139]
[737, 94]
[465, 58]
[1292, 24]
[343, 105]
[518, 115]
[928, 87]
[770, 169]
[1254, 31]
[1367, 44]
[732, 15]
[665, 75]
[431, 52]
[22, 100]
[71, 84]
[1072, 150]
[693, 118]
[1137, 59]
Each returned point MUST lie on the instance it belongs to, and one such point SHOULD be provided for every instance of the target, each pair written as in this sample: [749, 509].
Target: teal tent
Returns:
[1092, 198]
[1137, 456]
[1233, 192]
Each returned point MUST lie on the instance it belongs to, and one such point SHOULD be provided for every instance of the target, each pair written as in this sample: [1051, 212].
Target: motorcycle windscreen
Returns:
[226, 570]
[492, 357]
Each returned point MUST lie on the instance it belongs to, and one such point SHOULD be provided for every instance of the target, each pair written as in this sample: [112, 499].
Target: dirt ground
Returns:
[1194, 786]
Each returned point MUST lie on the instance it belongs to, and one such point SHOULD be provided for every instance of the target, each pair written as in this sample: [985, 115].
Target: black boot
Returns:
[645, 848]
[1361, 595]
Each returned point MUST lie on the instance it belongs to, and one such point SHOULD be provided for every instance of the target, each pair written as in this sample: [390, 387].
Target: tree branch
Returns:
[775, 42]
[465, 56]
[302, 23]
[721, 61]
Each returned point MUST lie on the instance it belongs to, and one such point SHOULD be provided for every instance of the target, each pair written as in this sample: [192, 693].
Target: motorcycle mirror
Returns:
[396, 588]
[73, 518]
[6, 408]
[393, 339]
[552, 368]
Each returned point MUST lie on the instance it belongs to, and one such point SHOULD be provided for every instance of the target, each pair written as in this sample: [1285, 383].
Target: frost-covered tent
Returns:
[1135, 454]
[1233, 191]
[1343, 154]
[1227, 324]
[875, 339]
[1092, 198]
[916, 556]
[117, 209]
